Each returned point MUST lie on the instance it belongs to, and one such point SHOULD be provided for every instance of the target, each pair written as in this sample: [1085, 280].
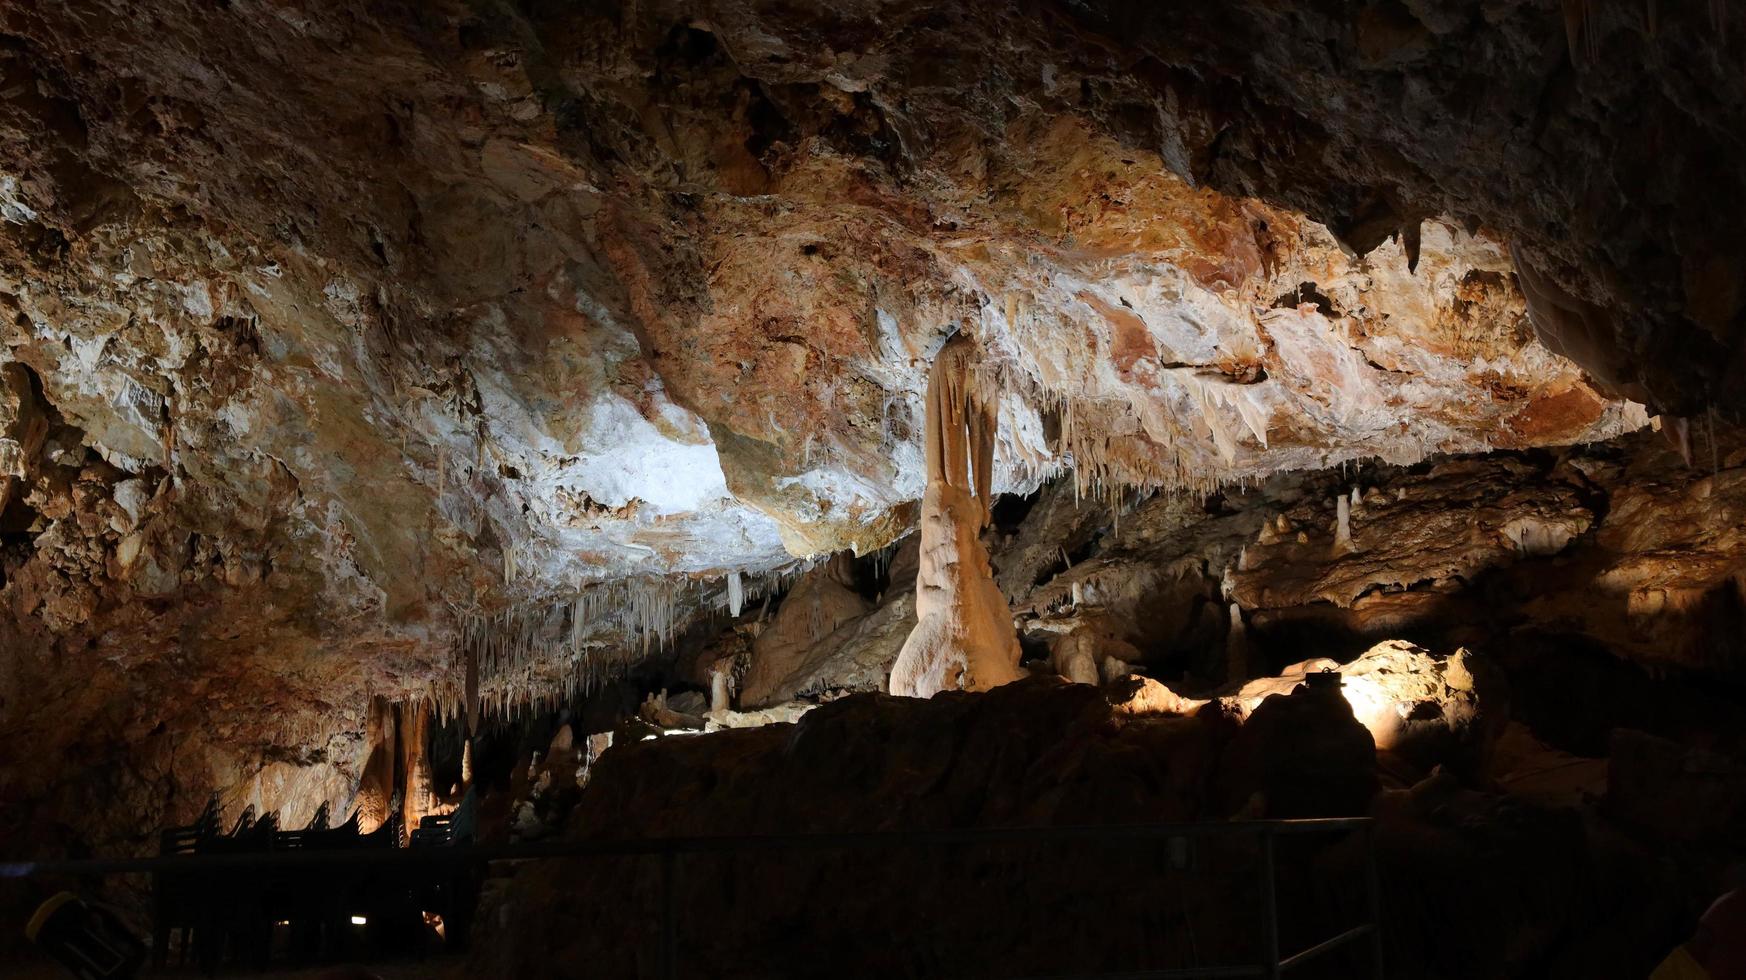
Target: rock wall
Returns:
[1531, 887]
[340, 336]
[1035, 752]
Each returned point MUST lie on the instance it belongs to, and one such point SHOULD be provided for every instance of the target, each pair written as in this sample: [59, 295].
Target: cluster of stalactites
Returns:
[961, 424]
[1112, 444]
[1111, 454]
[537, 656]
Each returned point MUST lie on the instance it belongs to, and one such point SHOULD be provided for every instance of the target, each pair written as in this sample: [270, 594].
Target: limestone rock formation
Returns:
[1045, 753]
[377, 785]
[789, 646]
[496, 356]
[963, 638]
[367, 334]
[1429, 708]
[1086, 649]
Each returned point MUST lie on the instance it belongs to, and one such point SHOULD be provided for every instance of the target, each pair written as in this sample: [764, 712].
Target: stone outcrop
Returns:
[1531, 886]
[801, 633]
[1605, 543]
[1430, 709]
[1036, 752]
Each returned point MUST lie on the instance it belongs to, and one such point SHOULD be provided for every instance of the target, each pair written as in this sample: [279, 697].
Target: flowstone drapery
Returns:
[963, 637]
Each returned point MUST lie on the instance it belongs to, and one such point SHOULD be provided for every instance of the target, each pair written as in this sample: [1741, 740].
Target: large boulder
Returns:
[791, 648]
[1035, 752]
[1305, 753]
[1426, 708]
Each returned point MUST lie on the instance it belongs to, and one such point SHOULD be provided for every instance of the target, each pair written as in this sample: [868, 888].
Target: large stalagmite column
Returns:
[963, 637]
[376, 785]
[419, 799]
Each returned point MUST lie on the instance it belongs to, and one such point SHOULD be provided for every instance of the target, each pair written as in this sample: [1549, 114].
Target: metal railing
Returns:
[670, 851]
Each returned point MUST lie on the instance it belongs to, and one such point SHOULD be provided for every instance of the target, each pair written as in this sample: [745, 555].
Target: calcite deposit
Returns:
[367, 336]
[380, 379]
[963, 638]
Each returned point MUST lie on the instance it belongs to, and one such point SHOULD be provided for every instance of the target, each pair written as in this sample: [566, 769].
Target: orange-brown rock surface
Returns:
[339, 338]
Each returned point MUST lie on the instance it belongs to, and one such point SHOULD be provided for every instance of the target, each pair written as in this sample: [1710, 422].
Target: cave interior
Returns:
[873, 488]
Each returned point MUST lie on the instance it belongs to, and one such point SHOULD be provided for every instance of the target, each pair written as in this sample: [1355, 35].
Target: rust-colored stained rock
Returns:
[351, 326]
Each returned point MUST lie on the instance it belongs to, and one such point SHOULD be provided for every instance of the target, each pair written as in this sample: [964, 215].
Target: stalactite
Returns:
[472, 685]
[527, 656]
[736, 594]
[1575, 328]
[1580, 31]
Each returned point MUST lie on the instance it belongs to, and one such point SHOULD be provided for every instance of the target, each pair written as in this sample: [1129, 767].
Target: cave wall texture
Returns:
[332, 328]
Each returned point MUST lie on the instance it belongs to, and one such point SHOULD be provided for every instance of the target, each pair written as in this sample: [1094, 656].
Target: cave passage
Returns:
[903, 488]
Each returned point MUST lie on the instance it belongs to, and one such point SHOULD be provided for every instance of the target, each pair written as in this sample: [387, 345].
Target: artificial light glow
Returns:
[1371, 705]
[358, 920]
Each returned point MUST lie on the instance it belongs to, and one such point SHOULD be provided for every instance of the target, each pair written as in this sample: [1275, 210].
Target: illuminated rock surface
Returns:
[518, 356]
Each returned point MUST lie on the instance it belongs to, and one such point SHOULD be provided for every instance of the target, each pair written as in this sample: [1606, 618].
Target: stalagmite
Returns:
[563, 742]
[376, 785]
[720, 681]
[420, 796]
[963, 637]
[1074, 656]
[1236, 647]
[1342, 524]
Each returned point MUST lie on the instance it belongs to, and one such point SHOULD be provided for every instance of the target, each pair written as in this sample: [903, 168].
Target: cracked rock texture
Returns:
[326, 326]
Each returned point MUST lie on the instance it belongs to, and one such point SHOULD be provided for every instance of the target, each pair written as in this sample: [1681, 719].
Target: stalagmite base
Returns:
[963, 637]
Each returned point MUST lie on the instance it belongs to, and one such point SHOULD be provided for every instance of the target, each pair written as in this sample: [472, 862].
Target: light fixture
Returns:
[358, 920]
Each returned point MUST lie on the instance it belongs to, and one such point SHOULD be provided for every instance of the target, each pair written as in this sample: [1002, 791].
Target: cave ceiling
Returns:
[339, 322]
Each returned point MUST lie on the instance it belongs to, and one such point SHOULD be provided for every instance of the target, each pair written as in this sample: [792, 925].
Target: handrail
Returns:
[643, 846]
